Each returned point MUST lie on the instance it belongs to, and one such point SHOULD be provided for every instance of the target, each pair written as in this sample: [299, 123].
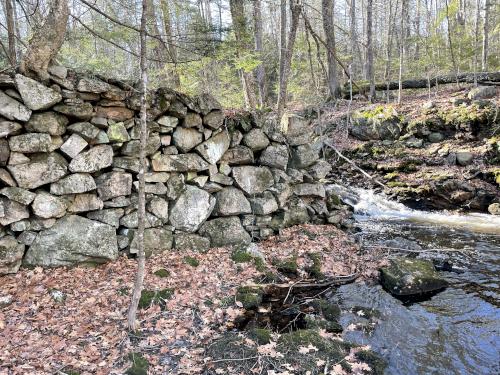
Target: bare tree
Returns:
[11, 36]
[283, 32]
[172, 48]
[295, 9]
[369, 49]
[327, 7]
[484, 60]
[243, 40]
[141, 212]
[260, 72]
[354, 41]
[46, 41]
[404, 9]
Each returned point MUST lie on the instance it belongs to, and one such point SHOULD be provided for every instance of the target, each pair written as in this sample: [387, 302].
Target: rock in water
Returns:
[35, 95]
[411, 278]
[73, 240]
[11, 255]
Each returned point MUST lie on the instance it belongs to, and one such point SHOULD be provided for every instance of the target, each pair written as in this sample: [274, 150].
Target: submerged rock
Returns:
[411, 277]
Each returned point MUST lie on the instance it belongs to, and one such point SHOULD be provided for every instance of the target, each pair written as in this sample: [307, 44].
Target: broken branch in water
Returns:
[354, 164]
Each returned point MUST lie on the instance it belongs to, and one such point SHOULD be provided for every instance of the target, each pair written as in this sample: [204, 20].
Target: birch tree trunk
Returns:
[141, 212]
[46, 41]
[484, 60]
[369, 49]
[327, 7]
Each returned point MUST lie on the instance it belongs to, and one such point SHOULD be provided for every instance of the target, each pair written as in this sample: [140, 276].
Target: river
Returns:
[456, 331]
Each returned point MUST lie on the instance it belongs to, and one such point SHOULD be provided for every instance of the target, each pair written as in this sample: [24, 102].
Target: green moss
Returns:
[123, 291]
[193, 262]
[250, 297]
[315, 268]
[287, 266]
[376, 363]
[380, 112]
[391, 176]
[315, 322]
[140, 365]
[392, 184]
[155, 297]
[226, 301]
[260, 265]
[241, 256]
[261, 335]
[330, 311]
[162, 272]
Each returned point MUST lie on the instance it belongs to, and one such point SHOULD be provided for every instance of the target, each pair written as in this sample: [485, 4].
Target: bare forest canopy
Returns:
[238, 50]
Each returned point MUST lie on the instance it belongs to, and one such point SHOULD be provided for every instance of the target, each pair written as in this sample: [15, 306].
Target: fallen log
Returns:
[483, 78]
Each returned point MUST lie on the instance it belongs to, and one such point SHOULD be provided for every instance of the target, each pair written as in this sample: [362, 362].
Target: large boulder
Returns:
[114, 184]
[42, 169]
[232, 201]
[275, 156]
[304, 156]
[35, 95]
[31, 143]
[411, 277]
[73, 184]
[482, 92]
[256, 140]
[73, 240]
[380, 123]
[49, 206]
[95, 159]
[253, 180]
[11, 255]
[297, 129]
[179, 163]
[47, 122]
[264, 204]
[185, 139]
[214, 148]
[156, 240]
[9, 128]
[13, 110]
[225, 231]
[191, 209]
[12, 211]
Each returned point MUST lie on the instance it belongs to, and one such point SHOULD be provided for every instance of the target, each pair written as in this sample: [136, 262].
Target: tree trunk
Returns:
[476, 39]
[46, 41]
[369, 49]
[243, 44]
[171, 48]
[450, 43]
[295, 8]
[260, 73]
[141, 212]
[484, 60]
[327, 7]
[283, 31]
[352, 31]
[401, 48]
[11, 36]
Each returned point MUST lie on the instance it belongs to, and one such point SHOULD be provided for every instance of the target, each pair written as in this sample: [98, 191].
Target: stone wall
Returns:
[69, 172]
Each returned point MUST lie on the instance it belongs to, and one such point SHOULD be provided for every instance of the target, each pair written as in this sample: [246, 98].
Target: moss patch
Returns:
[162, 272]
[193, 262]
[330, 311]
[241, 256]
[155, 297]
[287, 266]
[261, 335]
[376, 363]
[314, 270]
[140, 365]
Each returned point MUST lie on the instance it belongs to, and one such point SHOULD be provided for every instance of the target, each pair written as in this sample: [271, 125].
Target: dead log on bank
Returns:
[483, 78]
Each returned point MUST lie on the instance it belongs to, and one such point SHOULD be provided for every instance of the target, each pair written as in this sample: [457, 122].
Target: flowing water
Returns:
[456, 331]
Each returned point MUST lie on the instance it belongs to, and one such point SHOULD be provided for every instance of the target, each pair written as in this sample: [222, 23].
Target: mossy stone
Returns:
[330, 311]
[287, 266]
[140, 365]
[408, 277]
[241, 256]
[315, 269]
[250, 297]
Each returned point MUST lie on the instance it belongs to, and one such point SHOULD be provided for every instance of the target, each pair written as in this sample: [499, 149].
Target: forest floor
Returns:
[73, 320]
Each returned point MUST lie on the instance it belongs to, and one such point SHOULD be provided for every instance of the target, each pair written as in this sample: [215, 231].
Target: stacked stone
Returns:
[69, 172]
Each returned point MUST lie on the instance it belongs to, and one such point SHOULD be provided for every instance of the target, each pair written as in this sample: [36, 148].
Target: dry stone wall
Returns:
[69, 172]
